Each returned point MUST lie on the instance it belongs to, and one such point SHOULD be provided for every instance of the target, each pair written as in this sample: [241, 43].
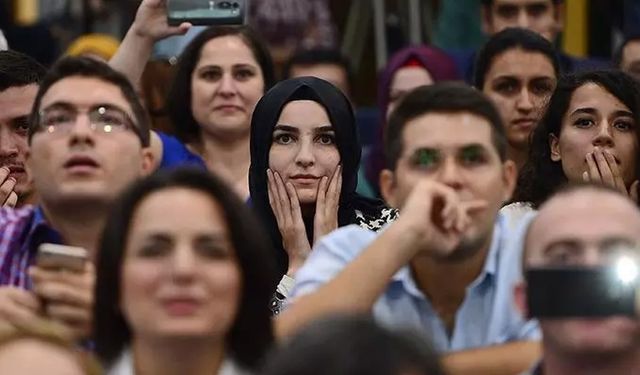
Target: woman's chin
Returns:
[307, 196]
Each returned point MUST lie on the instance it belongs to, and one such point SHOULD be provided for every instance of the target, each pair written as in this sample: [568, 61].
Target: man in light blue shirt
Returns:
[448, 266]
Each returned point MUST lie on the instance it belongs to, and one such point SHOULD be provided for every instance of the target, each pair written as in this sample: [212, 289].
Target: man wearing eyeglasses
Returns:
[88, 140]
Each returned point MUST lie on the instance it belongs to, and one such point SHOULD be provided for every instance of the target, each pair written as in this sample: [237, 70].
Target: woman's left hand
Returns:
[327, 202]
[603, 169]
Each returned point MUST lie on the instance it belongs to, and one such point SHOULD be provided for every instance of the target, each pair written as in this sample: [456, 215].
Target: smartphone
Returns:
[207, 12]
[60, 257]
[580, 292]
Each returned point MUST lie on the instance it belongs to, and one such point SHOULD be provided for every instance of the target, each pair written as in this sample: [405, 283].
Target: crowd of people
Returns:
[266, 231]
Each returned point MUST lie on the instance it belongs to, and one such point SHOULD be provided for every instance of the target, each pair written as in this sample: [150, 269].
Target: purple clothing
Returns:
[440, 66]
[21, 232]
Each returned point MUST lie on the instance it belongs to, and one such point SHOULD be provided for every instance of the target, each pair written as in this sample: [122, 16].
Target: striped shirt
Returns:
[21, 232]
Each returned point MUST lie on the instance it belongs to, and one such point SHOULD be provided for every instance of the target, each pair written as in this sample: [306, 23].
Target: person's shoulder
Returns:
[175, 153]
[348, 236]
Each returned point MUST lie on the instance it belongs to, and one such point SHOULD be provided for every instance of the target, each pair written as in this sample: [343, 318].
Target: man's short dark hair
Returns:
[90, 68]
[348, 345]
[509, 39]
[444, 97]
[18, 69]
[489, 3]
[316, 56]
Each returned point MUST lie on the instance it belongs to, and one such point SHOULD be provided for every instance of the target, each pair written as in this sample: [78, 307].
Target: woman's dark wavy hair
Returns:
[251, 334]
[540, 177]
[179, 97]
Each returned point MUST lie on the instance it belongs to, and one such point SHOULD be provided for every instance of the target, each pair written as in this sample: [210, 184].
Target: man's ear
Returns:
[554, 146]
[520, 298]
[509, 178]
[388, 187]
[486, 19]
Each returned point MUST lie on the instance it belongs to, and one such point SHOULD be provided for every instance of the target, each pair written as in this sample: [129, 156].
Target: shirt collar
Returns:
[405, 278]
[41, 232]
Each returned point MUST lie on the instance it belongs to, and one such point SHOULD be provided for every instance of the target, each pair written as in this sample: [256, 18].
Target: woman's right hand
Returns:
[603, 169]
[286, 208]
[151, 21]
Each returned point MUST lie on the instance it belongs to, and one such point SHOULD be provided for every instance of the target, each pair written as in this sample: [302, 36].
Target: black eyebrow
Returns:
[69, 106]
[59, 105]
[473, 147]
[324, 129]
[593, 111]
[286, 128]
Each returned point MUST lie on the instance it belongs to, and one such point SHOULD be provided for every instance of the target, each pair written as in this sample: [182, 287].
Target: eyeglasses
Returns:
[102, 119]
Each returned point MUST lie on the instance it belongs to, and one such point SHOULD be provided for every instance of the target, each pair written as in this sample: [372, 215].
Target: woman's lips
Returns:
[181, 306]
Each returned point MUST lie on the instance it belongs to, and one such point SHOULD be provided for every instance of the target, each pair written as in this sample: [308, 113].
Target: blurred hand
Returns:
[151, 21]
[67, 297]
[18, 307]
[8, 197]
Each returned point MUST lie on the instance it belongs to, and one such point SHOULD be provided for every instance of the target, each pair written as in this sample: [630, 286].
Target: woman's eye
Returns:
[583, 123]
[283, 139]
[209, 75]
[506, 87]
[213, 251]
[624, 126]
[542, 88]
[243, 74]
[153, 250]
[326, 139]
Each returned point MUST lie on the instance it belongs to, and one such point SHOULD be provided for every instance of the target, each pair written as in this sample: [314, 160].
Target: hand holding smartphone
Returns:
[60, 257]
[207, 12]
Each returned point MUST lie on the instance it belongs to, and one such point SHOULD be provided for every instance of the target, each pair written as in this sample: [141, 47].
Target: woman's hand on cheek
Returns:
[286, 208]
[327, 203]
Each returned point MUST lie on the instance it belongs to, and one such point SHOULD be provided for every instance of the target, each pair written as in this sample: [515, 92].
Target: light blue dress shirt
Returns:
[488, 315]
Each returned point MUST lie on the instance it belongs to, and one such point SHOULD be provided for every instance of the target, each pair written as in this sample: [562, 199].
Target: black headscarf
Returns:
[265, 117]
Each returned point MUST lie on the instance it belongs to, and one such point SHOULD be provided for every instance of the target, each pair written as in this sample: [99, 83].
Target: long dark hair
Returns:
[540, 176]
[251, 333]
[179, 97]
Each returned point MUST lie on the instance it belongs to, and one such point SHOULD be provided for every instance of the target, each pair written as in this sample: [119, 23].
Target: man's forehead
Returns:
[588, 214]
[447, 130]
[84, 92]
[17, 101]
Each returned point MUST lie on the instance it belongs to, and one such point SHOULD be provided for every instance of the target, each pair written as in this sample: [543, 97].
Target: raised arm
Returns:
[356, 288]
[506, 359]
[149, 26]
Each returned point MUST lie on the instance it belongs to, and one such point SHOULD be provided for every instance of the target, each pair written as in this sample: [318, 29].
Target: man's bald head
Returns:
[581, 225]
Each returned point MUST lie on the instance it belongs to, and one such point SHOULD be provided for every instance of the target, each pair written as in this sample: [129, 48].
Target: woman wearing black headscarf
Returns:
[305, 154]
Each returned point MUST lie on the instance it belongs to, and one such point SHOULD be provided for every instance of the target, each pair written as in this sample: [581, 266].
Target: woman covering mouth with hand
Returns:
[304, 161]
[589, 133]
